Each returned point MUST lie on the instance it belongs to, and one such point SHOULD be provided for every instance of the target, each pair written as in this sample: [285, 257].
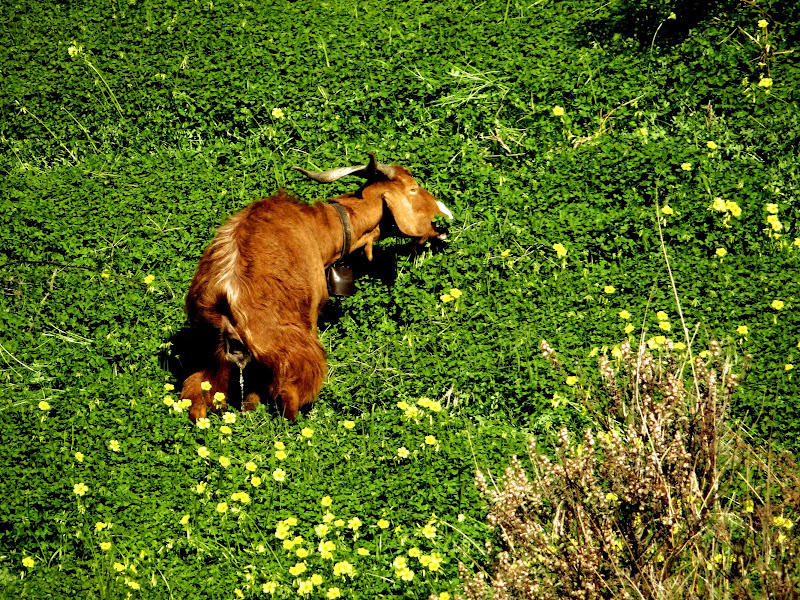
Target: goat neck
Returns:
[365, 215]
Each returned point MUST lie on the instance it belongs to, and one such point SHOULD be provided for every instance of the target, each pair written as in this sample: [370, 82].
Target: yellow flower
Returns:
[403, 452]
[200, 488]
[326, 501]
[168, 387]
[279, 474]
[383, 523]
[572, 380]
[662, 316]
[721, 252]
[624, 314]
[79, 456]
[225, 461]
[219, 398]
[340, 569]
[326, 549]
[250, 466]
[734, 209]
[225, 430]
[711, 145]
[354, 523]
[184, 520]
[229, 418]
[149, 279]
[28, 562]
[168, 400]
[405, 574]
[719, 204]
[445, 298]
[609, 289]
[301, 553]
[765, 82]
[99, 526]
[762, 23]
[628, 328]
[132, 584]
[222, 507]
[255, 481]
[455, 293]
[664, 325]
[333, 593]
[242, 497]
[316, 579]
[742, 330]
[771, 208]
[558, 111]
[298, 569]
[203, 423]
[279, 445]
[432, 561]
[667, 210]
[561, 251]
[328, 517]
[44, 405]
[270, 587]
[349, 424]
[105, 546]
[431, 440]
[505, 253]
[205, 386]
[777, 304]
[277, 113]
[788, 367]
[686, 166]
[429, 531]
[362, 552]
[307, 432]
[119, 567]
[203, 452]
[80, 489]
[321, 530]
[611, 497]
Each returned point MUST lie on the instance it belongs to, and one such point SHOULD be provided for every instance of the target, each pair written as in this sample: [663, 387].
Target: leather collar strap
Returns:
[345, 220]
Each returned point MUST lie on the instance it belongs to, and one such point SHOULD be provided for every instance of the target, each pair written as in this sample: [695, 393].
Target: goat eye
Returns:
[413, 190]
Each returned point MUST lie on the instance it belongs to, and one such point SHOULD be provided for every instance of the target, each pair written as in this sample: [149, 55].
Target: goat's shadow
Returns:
[188, 347]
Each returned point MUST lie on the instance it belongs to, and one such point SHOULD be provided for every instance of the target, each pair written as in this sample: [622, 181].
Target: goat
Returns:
[260, 284]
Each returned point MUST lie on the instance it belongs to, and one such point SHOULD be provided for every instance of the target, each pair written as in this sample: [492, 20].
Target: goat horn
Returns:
[369, 171]
[375, 167]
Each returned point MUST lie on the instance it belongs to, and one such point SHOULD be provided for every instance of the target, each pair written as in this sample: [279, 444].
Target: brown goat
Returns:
[260, 284]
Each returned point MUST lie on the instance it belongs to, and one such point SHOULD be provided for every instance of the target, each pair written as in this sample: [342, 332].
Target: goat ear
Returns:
[403, 212]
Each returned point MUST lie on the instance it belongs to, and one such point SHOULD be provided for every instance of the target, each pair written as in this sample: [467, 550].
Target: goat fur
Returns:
[260, 284]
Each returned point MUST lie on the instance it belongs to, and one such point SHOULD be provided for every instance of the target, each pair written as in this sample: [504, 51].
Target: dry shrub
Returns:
[663, 500]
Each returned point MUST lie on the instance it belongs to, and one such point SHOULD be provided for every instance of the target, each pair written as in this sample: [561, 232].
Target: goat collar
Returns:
[344, 218]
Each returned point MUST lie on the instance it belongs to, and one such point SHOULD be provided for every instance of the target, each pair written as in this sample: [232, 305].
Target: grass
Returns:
[575, 143]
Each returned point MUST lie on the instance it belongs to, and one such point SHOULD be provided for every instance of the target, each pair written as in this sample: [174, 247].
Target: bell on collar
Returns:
[340, 281]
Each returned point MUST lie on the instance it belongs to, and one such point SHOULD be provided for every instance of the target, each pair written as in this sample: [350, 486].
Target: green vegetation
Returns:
[569, 139]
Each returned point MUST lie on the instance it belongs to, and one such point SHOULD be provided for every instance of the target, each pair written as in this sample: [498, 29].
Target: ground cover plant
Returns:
[576, 142]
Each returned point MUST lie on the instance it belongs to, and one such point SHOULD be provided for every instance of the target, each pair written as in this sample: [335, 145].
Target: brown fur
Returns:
[260, 285]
